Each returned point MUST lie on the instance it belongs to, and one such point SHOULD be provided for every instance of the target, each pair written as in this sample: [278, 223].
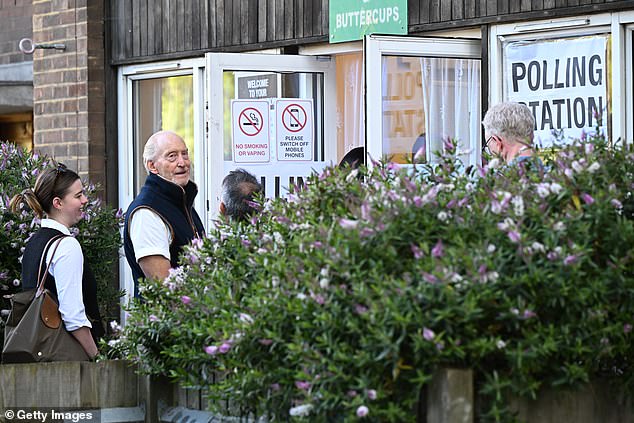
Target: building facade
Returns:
[285, 87]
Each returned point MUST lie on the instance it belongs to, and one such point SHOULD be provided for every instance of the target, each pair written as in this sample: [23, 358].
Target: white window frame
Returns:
[617, 24]
[127, 75]
[376, 46]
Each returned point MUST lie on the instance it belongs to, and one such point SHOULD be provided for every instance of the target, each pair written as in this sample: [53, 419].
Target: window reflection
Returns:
[162, 104]
[427, 100]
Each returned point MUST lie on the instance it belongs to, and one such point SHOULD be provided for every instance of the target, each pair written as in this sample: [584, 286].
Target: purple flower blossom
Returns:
[362, 411]
[303, 385]
[428, 334]
[371, 394]
[428, 277]
[360, 309]
[587, 198]
[528, 314]
[275, 386]
[366, 232]
[153, 318]
[418, 201]
[571, 259]
[211, 349]
[627, 328]
[185, 299]
[266, 342]
[351, 393]
[514, 236]
[348, 223]
[246, 243]
[438, 250]
[616, 203]
[283, 220]
[418, 253]
[224, 347]
[552, 255]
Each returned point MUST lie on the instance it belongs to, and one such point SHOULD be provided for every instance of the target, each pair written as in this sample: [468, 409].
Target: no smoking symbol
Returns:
[294, 118]
[250, 121]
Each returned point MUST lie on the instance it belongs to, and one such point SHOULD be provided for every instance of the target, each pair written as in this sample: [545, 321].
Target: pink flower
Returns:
[587, 198]
[185, 299]
[211, 349]
[514, 236]
[428, 334]
[362, 411]
[571, 259]
[275, 386]
[351, 393]
[348, 223]
[360, 309]
[438, 250]
[529, 314]
[224, 348]
[418, 253]
[371, 393]
[627, 328]
[265, 342]
[303, 385]
[616, 203]
[153, 318]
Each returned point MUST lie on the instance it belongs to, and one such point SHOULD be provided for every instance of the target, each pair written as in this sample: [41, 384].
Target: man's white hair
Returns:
[510, 120]
[151, 150]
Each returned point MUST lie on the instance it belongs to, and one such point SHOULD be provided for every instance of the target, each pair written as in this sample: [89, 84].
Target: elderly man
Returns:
[161, 219]
[508, 131]
[238, 189]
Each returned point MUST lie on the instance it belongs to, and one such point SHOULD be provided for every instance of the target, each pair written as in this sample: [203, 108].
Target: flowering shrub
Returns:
[98, 232]
[339, 303]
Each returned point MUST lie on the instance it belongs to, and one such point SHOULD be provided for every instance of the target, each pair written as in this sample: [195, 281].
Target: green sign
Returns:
[352, 19]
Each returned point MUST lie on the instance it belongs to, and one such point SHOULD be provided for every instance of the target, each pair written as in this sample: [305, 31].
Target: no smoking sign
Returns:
[250, 123]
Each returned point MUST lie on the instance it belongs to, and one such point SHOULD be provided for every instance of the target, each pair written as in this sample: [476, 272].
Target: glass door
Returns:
[272, 115]
[421, 92]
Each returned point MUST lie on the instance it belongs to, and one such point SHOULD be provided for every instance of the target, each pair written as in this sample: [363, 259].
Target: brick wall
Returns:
[69, 85]
[15, 24]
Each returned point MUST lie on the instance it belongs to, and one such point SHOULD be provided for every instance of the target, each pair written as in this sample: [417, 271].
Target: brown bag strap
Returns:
[42, 277]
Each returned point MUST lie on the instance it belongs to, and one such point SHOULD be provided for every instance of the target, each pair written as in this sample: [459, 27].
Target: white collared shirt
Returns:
[68, 270]
[149, 234]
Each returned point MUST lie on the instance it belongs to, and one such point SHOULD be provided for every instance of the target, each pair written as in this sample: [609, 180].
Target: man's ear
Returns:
[223, 209]
[151, 167]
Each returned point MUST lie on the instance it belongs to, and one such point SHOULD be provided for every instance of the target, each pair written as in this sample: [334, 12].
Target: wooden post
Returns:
[450, 397]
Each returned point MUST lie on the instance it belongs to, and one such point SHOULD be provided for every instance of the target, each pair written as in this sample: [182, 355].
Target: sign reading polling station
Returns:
[563, 81]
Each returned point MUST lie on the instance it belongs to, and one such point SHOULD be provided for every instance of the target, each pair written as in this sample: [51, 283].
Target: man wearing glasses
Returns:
[508, 131]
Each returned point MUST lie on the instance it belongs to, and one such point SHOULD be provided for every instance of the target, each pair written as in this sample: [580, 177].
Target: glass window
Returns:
[252, 99]
[161, 104]
[426, 100]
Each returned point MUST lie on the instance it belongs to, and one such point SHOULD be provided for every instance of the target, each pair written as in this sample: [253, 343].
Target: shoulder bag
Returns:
[34, 331]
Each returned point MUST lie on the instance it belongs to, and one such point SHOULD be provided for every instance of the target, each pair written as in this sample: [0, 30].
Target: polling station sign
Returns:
[563, 82]
[250, 124]
[352, 19]
[294, 128]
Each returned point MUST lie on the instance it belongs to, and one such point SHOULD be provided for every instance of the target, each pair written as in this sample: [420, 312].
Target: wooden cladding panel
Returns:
[148, 28]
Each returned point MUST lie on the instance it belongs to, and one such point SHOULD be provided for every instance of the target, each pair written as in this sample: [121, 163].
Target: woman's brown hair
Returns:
[51, 183]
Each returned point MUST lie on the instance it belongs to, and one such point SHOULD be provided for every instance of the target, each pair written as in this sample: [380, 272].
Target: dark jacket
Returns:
[30, 269]
[174, 204]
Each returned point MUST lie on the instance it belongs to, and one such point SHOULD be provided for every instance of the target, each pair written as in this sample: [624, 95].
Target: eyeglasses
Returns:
[486, 147]
[61, 168]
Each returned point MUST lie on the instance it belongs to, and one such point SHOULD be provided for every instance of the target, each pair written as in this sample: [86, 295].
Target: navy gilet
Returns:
[30, 269]
[175, 205]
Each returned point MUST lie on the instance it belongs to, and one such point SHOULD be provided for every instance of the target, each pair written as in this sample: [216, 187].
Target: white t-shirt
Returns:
[150, 235]
[68, 270]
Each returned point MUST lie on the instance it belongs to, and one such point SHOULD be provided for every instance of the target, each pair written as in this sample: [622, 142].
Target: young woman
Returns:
[58, 199]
